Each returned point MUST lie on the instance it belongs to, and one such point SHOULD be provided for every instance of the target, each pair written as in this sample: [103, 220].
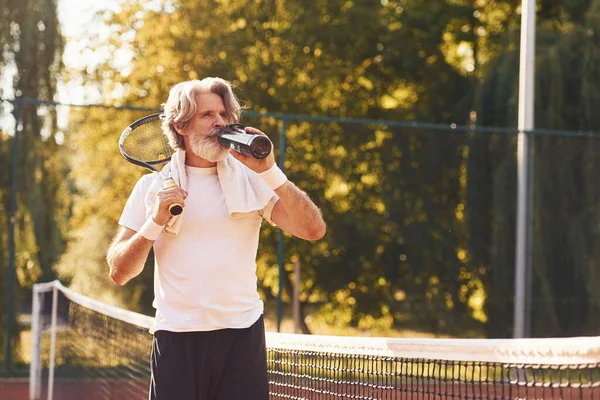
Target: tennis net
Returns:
[84, 349]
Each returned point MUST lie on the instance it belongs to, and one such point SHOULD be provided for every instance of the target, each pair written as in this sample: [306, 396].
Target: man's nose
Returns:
[219, 122]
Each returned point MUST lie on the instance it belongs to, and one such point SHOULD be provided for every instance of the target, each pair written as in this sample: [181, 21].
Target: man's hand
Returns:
[165, 197]
[257, 166]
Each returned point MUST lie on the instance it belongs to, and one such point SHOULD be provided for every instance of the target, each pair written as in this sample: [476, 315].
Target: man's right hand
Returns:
[164, 198]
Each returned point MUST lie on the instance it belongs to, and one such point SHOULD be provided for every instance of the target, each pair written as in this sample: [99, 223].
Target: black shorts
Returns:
[226, 364]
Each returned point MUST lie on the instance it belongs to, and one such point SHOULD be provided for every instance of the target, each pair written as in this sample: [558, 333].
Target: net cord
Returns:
[530, 351]
[130, 317]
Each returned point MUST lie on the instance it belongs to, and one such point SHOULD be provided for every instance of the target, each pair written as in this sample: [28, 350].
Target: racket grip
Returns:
[175, 208]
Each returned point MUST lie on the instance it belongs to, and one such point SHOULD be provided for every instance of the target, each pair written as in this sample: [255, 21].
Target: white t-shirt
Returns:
[204, 277]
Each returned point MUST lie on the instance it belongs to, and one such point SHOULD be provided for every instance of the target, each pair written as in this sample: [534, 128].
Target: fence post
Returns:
[280, 238]
[524, 234]
[11, 237]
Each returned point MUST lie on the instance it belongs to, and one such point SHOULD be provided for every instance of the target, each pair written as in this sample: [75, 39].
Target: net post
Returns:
[52, 342]
[35, 368]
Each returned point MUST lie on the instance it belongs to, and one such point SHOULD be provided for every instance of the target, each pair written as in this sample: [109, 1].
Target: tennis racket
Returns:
[143, 143]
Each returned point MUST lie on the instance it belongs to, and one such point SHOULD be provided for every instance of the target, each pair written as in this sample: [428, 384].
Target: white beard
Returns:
[207, 147]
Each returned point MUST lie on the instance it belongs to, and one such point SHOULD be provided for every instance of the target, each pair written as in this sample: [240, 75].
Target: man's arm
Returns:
[127, 255]
[129, 249]
[296, 214]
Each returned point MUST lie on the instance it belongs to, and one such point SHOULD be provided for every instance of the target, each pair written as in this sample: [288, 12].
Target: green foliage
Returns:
[420, 222]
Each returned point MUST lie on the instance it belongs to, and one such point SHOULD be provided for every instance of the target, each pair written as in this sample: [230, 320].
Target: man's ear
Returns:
[179, 128]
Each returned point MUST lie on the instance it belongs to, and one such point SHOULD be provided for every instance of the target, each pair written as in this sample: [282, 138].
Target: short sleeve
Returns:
[134, 213]
[268, 209]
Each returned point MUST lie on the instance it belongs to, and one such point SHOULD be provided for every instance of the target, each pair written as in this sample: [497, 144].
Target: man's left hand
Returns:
[257, 166]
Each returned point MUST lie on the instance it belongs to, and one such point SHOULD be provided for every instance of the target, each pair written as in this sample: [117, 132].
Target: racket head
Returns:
[143, 143]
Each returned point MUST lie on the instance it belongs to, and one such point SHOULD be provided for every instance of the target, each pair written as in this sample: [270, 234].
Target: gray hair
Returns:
[181, 105]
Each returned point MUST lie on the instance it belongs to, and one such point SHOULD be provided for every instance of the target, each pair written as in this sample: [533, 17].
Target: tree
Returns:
[32, 45]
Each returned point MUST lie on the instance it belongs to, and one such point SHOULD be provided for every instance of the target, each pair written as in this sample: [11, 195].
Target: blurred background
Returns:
[398, 118]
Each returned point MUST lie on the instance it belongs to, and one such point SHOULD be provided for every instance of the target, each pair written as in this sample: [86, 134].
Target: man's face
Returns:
[201, 130]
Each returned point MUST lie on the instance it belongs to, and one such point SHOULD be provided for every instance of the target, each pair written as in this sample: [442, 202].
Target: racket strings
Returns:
[147, 143]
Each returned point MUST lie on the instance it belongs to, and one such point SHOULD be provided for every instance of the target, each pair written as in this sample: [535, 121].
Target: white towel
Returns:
[243, 189]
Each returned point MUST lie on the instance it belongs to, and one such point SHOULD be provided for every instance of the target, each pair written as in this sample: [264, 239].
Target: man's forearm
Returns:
[126, 258]
[302, 213]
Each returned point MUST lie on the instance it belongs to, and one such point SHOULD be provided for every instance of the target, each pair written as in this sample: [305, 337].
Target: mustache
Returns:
[213, 132]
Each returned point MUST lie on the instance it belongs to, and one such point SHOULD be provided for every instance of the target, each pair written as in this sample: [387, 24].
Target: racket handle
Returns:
[175, 208]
